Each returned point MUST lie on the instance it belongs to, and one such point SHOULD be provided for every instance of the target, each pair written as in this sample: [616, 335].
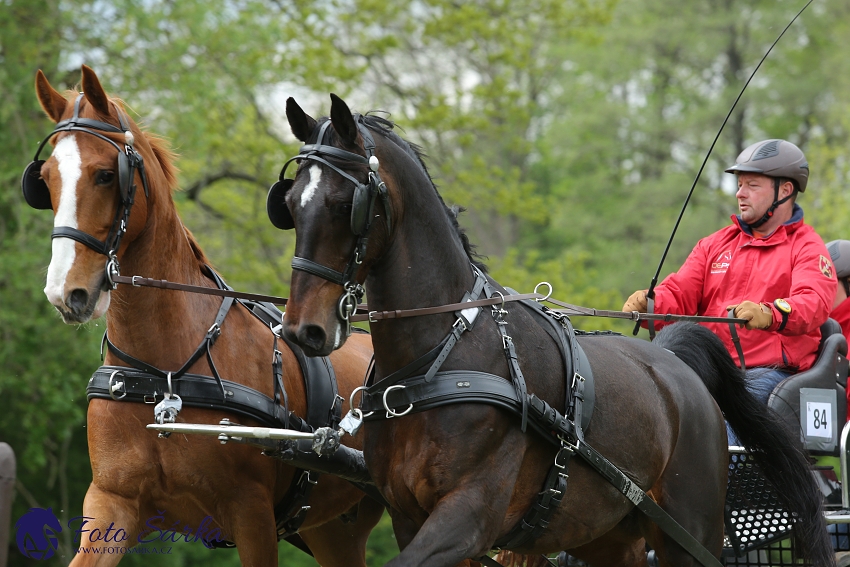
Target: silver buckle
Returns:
[118, 385]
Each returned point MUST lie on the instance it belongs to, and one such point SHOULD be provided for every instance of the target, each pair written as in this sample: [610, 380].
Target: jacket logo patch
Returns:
[825, 266]
[720, 265]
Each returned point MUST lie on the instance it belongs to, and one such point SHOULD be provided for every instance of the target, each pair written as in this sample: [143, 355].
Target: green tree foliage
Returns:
[570, 131]
[44, 364]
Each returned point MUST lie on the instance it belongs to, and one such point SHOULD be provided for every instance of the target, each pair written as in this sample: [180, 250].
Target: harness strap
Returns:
[120, 383]
[291, 511]
[735, 339]
[83, 238]
[204, 348]
[625, 485]
[279, 389]
[440, 353]
[312, 267]
[452, 387]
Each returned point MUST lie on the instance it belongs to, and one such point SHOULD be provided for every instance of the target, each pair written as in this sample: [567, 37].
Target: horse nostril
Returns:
[312, 336]
[78, 300]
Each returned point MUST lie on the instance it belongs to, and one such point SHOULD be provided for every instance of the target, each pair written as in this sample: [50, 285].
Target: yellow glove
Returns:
[758, 315]
[636, 302]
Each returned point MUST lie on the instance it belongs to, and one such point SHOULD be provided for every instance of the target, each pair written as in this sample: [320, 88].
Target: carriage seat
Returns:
[822, 386]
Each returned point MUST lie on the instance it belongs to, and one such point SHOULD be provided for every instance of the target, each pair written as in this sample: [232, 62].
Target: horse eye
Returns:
[104, 177]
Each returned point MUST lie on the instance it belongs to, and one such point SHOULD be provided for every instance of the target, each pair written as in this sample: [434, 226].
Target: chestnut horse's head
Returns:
[90, 183]
[341, 227]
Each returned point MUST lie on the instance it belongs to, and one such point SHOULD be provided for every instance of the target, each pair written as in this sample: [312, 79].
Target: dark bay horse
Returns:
[137, 476]
[462, 476]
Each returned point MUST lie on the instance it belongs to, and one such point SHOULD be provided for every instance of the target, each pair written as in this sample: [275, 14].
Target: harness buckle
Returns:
[578, 376]
[133, 281]
[214, 331]
[116, 386]
[371, 317]
[570, 448]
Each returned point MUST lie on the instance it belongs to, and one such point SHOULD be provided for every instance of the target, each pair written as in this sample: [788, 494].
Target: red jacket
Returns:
[732, 265]
[842, 315]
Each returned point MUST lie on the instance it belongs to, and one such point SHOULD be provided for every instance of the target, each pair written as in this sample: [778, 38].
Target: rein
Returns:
[375, 316]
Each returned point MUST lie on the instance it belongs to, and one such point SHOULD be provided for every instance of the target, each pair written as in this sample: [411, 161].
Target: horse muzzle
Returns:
[79, 305]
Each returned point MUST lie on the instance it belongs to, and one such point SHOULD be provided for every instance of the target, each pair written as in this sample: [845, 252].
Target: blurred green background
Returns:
[569, 130]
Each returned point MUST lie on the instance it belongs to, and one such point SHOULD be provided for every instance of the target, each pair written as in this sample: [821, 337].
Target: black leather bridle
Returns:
[37, 193]
[362, 206]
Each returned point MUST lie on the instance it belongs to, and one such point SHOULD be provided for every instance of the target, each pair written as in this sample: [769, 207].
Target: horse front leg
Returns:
[343, 544]
[462, 526]
[109, 520]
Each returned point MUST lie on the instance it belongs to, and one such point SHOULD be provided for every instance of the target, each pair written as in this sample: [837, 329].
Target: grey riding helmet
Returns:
[839, 251]
[774, 158]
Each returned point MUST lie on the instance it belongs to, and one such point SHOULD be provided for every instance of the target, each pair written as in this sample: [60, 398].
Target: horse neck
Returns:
[425, 265]
[159, 326]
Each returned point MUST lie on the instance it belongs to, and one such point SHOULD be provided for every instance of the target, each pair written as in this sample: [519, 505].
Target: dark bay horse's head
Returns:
[339, 206]
[99, 158]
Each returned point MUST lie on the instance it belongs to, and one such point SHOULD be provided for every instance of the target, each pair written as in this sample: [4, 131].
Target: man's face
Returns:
[755, 195]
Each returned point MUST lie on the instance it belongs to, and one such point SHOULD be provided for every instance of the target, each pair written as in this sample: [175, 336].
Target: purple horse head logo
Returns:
[36, 537]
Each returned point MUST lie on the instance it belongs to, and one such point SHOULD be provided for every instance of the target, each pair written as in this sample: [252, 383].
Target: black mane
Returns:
[385, 128]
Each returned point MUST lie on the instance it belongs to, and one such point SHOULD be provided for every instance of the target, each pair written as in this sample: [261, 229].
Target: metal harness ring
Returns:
[392, 413]
[351, 402]
[548, 295]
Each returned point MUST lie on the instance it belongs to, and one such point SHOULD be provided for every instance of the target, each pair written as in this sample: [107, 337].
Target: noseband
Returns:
[37, 194]
[362, 207]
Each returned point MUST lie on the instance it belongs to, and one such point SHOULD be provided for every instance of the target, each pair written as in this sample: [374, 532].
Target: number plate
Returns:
[819, 420]
[818, 410]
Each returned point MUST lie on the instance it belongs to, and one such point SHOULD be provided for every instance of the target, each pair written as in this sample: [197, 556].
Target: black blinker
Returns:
[276, 207]
[35, 190]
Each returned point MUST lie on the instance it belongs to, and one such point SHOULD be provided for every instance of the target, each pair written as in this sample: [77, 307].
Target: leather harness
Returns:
[144, 383]
[406, 391]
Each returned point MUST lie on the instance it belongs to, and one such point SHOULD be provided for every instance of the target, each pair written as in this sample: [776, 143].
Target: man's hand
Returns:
[636, 302]
[758, 315]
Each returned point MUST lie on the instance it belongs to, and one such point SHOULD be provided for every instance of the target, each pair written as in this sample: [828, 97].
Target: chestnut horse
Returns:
[137, 476]
[463, 475]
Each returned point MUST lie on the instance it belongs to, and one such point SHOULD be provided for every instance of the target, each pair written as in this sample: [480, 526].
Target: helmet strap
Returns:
[776, 203]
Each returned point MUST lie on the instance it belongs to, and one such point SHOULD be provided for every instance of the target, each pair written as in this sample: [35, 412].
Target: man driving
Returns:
[768, 267]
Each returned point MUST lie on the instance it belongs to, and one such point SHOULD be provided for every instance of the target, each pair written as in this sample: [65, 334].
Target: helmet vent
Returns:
[805, 166]
[834, 250]
[768, 149]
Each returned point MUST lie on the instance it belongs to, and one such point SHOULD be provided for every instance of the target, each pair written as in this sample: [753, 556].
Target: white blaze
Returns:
[310, 190]
[67, 154]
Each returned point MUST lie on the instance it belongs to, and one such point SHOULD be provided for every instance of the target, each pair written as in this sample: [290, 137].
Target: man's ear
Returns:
[787, 188]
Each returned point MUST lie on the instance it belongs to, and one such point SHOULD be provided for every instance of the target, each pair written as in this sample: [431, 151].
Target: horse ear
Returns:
[301, 124]
[50, 99]
[94, 91]
[342, 120]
